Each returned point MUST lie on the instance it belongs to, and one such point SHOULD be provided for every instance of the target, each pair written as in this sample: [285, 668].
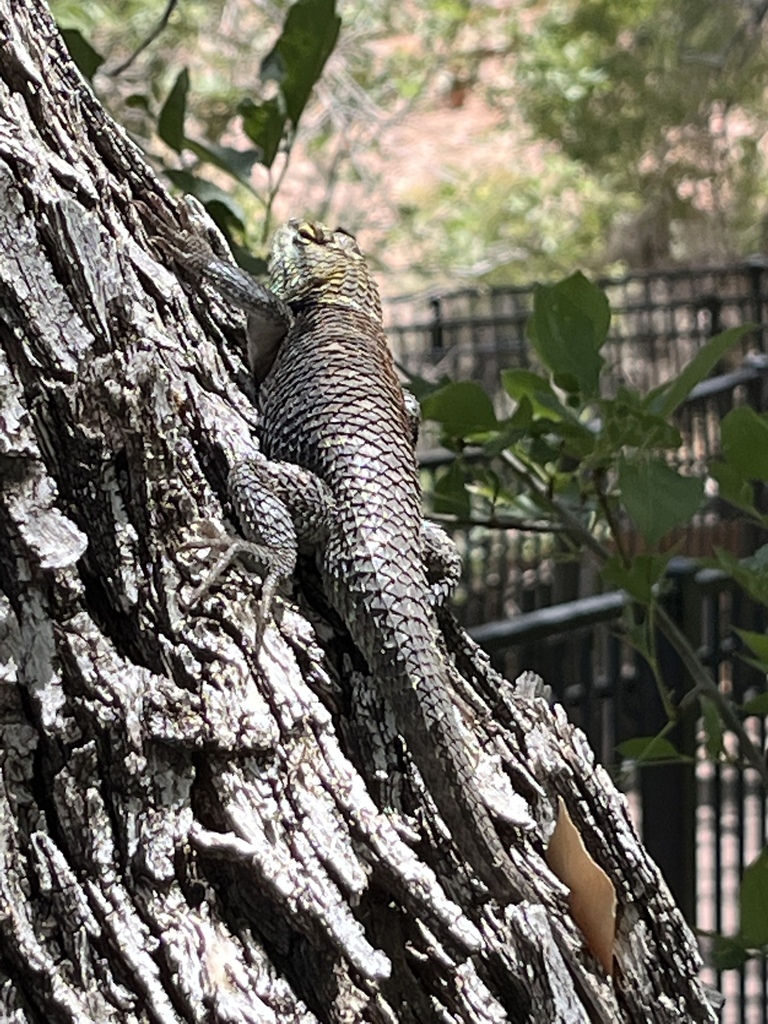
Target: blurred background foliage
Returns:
[494, 141]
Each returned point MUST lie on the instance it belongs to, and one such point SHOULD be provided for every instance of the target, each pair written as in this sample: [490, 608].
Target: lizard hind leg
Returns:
[279, 565]
[282, 509]
[442, 562]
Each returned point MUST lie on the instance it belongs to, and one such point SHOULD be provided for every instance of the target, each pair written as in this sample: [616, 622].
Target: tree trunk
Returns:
[196, 826]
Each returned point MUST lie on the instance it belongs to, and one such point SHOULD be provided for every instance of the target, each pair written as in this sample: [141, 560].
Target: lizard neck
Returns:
[365, 304]
[338, 339]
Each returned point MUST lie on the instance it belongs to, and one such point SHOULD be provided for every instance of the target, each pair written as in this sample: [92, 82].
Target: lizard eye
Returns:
[306, 232]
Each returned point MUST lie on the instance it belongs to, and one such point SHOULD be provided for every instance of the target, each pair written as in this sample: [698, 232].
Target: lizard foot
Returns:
[279, 564]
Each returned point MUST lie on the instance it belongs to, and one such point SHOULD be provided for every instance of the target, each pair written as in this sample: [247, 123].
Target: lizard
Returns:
[337, 476]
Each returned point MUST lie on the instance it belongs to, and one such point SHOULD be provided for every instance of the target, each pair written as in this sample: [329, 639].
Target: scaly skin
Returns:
[332, 405]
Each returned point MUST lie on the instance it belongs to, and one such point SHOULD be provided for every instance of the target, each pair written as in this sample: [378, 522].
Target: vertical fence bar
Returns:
[756, 267]
[436, 326]
[668, 791]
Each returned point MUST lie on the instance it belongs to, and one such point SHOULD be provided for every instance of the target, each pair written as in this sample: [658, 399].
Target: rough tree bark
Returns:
[191, 828]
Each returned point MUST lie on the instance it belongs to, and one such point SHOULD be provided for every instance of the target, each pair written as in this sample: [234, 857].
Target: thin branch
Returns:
[613, 526]
[496, 522]
[569, 521]
[114, 72]
[705, 685]
[274, 184]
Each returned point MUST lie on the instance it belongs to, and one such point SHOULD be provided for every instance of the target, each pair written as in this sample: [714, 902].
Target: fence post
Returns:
[436, 325]
[756, 266]
[668, 791]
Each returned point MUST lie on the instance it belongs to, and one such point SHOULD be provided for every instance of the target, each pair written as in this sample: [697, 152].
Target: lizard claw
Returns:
[230, 549]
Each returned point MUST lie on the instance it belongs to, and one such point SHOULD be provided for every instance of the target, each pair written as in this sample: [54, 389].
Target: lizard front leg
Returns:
[269, 318]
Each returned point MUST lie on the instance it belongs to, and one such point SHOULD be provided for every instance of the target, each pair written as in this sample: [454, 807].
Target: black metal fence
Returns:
[509, 572]
[659, 319]
[535, 606]
[702, 820]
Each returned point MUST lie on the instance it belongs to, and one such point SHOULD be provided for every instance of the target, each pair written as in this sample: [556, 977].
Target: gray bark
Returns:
[194, 827]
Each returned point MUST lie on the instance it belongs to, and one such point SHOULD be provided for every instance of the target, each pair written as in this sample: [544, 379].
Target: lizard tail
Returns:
[428, 720]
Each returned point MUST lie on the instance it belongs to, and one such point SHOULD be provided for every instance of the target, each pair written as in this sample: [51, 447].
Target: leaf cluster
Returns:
[610, 458]
[640, 96]
[591, 70]
[268, 117]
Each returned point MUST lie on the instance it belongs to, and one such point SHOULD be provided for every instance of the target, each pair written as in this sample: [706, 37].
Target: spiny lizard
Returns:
[338, 476]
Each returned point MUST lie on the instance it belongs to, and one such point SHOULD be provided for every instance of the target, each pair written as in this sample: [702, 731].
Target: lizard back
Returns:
[333, 405]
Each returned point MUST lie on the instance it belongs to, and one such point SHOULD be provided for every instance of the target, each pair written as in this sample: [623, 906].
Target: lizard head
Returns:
[311, 263]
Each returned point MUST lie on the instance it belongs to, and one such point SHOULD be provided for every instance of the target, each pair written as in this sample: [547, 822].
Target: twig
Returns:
[149, 39]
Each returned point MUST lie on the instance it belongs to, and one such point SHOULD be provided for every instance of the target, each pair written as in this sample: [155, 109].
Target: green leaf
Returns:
[638, 635]
[170, 123]
[753, 900]
[579, 440]
[650, 749]
[264, 124]
[627, 423]
[523, 507]
[299, 55]
[544, 453]
[450, 493]
[518, 382]
[713, 727]
[567, 382]
[568, 327]
[237, 162]
[757, 562]
[138, 101]
[733, 486]
[484, 484]
[524, 384]
[539, 412]
[639, 579]
[461, 409]
[656, 496]
[757, 642]
[87, 59]
[666, 398]
[757, 706]
[750, 573]
[522, 418]
[745, 442]
[509, 435]
[728, 953]
[210, 195]
[419, 386]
